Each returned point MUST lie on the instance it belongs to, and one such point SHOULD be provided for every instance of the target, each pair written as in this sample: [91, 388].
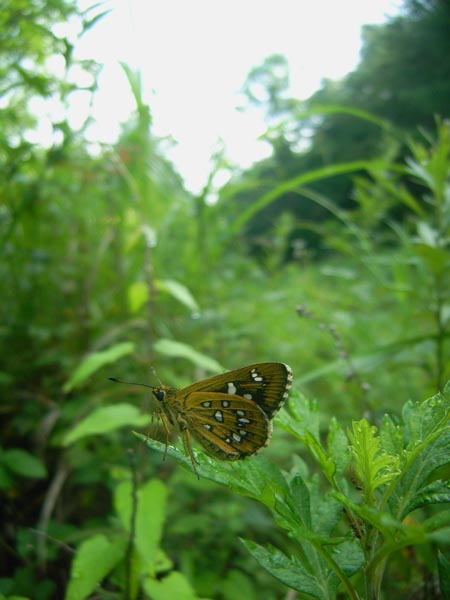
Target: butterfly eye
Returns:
[159, 394]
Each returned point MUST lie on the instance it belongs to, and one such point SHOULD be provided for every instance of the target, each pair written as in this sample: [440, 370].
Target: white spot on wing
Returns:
[256, 376]
[218, 415]
[231, 388]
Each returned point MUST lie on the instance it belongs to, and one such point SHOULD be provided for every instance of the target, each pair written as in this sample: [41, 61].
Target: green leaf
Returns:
[424, 418]
[255, 477]
[301, 419]
[444, 574]
[23, 463]
[437, 492]
[427, 438]
[293, 509]
[6, 481]
[105, 419]
[337, 446]
[150, 516]
[181, 350]
[296, 183]
[95, 558]
[391, 436]
[175, 585]
[178, 291]
[95, 361]
[236, 584]
[138, 295]
[373, 466]
[289, 570]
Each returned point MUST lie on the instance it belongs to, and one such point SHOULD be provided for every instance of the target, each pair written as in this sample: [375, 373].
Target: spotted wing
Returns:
[228, 426]
[267, 384]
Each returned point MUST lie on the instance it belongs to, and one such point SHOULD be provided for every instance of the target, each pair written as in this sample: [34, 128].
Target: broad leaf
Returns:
[95, 361]
[95, 558]
[178, 291]
[180, 350]
[175, 585]
[23, 463]
[105, 419]
[150, 515]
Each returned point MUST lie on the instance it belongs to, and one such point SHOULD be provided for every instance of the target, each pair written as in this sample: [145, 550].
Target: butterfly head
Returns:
[159, 393]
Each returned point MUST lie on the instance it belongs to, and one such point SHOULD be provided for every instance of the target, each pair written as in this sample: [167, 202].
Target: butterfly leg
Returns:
[186, 436]
[166, 425]
[152, 428]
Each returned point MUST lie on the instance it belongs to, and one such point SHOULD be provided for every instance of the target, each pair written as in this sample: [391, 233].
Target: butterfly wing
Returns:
[230, 427]
[266, 384]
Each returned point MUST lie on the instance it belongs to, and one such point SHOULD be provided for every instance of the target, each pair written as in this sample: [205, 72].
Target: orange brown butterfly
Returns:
[230, 414]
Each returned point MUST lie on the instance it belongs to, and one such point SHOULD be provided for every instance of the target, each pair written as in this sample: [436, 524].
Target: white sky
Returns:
[194, 56]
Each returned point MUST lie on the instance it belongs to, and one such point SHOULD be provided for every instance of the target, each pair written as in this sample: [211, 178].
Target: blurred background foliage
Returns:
[332, 255]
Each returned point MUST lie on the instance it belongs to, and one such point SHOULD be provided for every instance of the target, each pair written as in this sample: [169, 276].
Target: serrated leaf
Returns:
[337, 446]
[349, 556]
[426, 458]
[373, 466]
[427, 439]
[423, 418]
[95, 558]
[255, 477]
[95, 361]
[105, 419]
[23, 463]
[290, 571]
[300, 500]
[301, 419]
[181, 350]
[391, 436]
[178, 291]
[304, 413]
[438, 492]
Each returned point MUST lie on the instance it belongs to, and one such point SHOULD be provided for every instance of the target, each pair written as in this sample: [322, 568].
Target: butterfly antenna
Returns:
[130, 382]
[152, 369]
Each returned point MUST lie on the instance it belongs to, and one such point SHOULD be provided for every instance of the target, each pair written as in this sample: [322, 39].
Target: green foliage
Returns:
[105, 419]
[16, 461]
[96, 361]
[108, 267]
[344, 537]
[94, 560]
[399, 87]
[373, 466]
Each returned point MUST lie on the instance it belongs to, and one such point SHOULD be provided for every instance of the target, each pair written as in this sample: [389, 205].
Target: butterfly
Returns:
[230, 414]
